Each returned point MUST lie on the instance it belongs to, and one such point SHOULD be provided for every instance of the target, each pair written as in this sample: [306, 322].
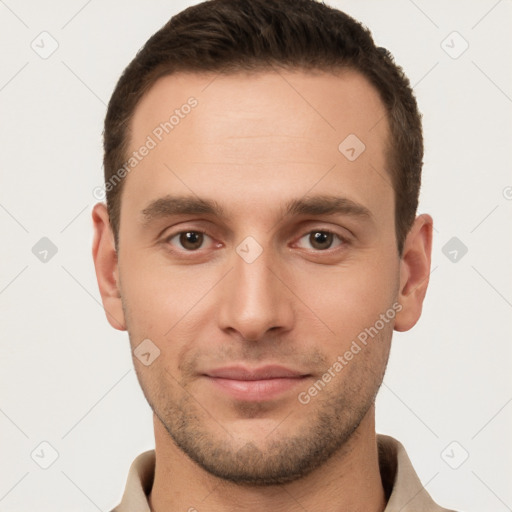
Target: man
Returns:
[260, 244]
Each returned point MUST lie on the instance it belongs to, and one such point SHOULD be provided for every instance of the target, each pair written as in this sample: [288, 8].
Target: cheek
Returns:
[165, 304]
[158, 291]
[350, 298]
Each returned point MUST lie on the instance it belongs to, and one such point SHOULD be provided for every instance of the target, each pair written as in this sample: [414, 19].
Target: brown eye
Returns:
[321, 239]
[191, 240]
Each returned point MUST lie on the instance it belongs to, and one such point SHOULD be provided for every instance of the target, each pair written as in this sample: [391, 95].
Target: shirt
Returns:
[403, 488]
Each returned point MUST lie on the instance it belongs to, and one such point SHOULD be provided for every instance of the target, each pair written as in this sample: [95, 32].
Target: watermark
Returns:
[455, 455]
[454, 249]
[342, 360]
[44, 250]
[152, 140]
[146, 352]
[454, 45]
[351, 147]
[45, 45]
[44, 454]
[249, 249]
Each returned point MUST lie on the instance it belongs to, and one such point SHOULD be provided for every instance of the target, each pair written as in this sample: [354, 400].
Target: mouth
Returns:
[258, 384]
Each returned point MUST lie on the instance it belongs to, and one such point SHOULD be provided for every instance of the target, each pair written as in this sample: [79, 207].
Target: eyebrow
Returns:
[169, 206]
[327, 205]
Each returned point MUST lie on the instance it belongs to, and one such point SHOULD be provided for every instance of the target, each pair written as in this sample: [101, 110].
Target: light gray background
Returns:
[67, 377]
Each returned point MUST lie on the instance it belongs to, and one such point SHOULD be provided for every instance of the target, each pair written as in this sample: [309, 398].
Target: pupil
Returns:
[321, 240]
[191, 240]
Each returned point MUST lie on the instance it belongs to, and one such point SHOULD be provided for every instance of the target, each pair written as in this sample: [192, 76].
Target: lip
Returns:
[255, 384]
[261, 373]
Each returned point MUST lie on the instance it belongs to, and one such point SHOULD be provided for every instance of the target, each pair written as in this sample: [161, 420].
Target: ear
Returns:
[106, 265]
[414, 272]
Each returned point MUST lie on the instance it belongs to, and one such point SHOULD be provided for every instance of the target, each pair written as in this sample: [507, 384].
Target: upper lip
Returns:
[260, 373]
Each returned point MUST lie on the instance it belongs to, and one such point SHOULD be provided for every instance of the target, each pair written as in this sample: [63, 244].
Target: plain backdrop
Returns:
[67, 378]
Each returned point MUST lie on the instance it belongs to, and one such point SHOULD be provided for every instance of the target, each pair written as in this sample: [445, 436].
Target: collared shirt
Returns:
[403, 488]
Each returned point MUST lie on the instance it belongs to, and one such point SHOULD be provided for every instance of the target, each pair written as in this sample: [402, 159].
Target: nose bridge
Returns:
[255, 300]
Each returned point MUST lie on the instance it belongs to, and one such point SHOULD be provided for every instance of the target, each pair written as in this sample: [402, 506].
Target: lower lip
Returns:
[256, 390]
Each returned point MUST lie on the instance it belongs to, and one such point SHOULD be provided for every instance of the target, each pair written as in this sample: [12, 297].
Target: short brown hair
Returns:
[229, 36]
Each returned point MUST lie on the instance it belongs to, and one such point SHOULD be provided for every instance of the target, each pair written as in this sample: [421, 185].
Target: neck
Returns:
[349, 481]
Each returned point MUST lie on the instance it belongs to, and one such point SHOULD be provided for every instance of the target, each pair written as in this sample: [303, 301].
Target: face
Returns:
[253, 247]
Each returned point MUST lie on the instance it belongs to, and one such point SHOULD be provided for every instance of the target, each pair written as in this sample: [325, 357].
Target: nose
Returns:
[254, 299]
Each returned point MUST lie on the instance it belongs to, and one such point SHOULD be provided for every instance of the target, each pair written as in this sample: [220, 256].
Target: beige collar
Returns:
[403, 487]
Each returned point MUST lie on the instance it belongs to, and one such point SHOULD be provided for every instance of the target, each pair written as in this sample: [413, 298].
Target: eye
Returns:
[320, 240]
[188, 240]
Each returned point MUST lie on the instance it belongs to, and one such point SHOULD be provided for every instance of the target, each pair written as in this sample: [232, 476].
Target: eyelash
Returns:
[343, 240]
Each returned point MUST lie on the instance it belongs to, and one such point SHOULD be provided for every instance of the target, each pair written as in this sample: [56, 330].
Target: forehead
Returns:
[242, 136]
[287, 100]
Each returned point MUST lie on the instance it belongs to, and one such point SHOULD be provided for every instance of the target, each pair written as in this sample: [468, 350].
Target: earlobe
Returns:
[106, 265]
[414, 272]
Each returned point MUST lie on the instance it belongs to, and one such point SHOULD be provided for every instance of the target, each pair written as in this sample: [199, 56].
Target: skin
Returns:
[252, 144]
